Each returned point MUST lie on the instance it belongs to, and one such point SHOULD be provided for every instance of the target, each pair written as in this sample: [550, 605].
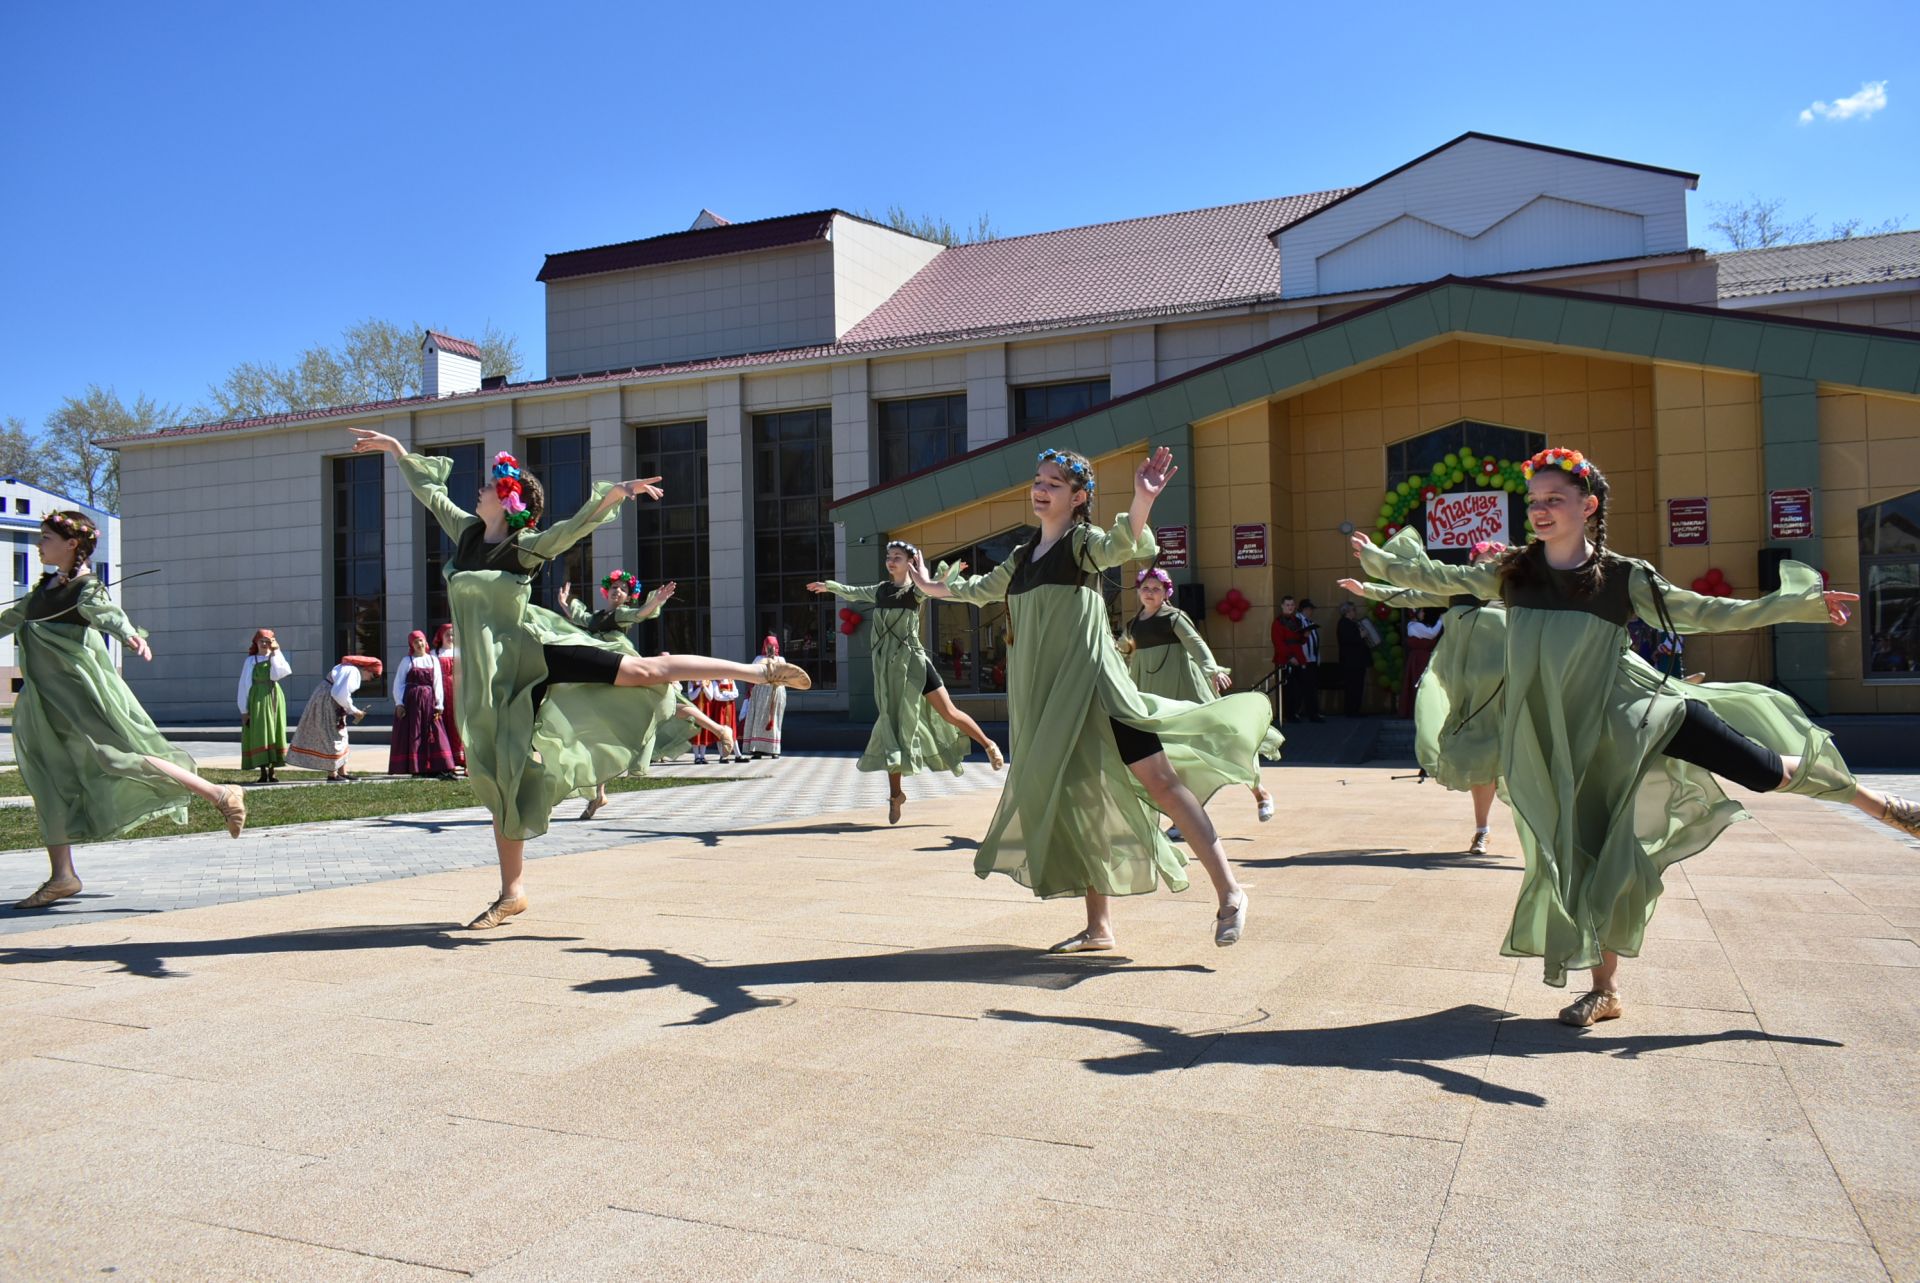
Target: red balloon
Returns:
[1703, 585]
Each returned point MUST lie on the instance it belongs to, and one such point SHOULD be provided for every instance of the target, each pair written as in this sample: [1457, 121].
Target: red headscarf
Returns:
[771, 646]
[369, 665]
[253, 647]
[440, 636]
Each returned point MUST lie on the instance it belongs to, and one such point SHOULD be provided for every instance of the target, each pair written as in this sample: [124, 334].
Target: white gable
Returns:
[1480, 207]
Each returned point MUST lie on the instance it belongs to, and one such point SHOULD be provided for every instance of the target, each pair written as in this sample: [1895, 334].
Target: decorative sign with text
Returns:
[1790, 514]
[1173, 546]
[1464, 518]
[1686, 522]
[1250, 545]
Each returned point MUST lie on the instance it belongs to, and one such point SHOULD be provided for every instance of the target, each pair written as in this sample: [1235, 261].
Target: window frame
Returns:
[341, 483]
[768, 434]
[1869, 518]
[1017, 390]
[575, 565]
[955, 430]
[685, 624]
[436, 545]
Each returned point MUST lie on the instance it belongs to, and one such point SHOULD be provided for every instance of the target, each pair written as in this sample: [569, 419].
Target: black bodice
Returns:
[1548, 589]
[473, 552]
[1150, 631]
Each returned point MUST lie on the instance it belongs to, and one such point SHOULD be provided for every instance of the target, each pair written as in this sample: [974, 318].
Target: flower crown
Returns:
[70, 526]
[1566, 460]
[506, 484]
[620, 579]
[1154, 572]
[1077, 469]
[911, 550]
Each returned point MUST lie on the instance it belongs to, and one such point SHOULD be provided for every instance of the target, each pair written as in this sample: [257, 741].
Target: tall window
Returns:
[969, 644]
[920, 433]
[561, 464]
[359, 562]
[463, 483]
[792, 538]
[1036, 407]
[19, 567]
[1890, 589]
[1416, 456]
[673, 536]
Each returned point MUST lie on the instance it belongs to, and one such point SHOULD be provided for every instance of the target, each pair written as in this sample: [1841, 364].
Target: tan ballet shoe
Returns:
[233, 809]
[1479, 844]
[497, 912]
[778, 672]
[895, 801]
[593, 808]
[49, 892]
[1083, 943]
[1231, 922]
[994, 758]
[1902, 815]
[1600, 1004]
[729, 746]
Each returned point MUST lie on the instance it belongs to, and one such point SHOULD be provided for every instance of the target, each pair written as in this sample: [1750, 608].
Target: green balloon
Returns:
[1386, 510]
[1456, 477]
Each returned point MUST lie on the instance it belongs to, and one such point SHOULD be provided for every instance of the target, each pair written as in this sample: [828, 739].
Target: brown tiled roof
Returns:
[701, 242]
[448, 343]
[1156, 266]
[1819, 265]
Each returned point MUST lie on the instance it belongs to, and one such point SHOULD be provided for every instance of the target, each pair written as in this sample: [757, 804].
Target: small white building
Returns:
[22, 508]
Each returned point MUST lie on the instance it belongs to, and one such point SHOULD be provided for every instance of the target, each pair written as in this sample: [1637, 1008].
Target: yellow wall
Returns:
[1869, 453]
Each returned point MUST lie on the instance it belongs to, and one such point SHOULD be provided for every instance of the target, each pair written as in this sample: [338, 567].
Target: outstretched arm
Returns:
[975, 590]
[846, 592]
[425, 474]
[601, 507]
[1800, 599]
[1406, 565]
[1400, 598]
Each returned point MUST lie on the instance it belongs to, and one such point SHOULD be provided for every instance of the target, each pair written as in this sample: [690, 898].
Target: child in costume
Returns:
[547, 710]
[447, 654]
[320, 739]
[768, 713]
[1456, 717]
[93, 761]
[263, 706]
[1608, 765]
[1100, 761]
[919, 727]
[1166, 656]
[419, 744]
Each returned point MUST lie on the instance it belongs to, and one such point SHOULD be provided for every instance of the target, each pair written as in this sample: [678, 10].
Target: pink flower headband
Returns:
[1154, 572]
[1484, 549]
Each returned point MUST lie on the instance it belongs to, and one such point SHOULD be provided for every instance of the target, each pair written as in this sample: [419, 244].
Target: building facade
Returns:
[22, 508]
[811, 385]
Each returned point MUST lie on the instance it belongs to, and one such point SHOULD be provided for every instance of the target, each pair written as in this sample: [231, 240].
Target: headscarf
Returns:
[253, 647]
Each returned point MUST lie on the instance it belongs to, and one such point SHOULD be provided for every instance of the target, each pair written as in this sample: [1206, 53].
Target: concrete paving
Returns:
[822, 1049]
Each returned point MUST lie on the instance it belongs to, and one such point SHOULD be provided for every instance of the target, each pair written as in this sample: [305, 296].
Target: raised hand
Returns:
[367, 441]
[566, 595]
[1360, 542]
[816, 586]
[659, 596]
[641, 486]
[1837, 606]
[1153, 474]
[1353, 586]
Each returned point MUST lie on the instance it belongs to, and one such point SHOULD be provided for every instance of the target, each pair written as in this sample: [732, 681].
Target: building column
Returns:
[405, 526]
[1134, 360]
[988, 416]
[1790, 437]
[610, 458]
[729, 492]
[853, 471]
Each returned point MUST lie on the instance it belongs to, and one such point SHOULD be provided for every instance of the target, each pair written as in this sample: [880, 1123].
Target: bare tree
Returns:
[75, 463]
[1755, 223]
[376, 360]
[929, 227]
[22, 454]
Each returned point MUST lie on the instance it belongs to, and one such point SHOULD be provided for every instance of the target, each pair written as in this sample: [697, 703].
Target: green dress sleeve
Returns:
[426, 475]
[1403, 598]
[577, 612]
[12, 617]
[1195, 645]
[852, 592]
[1405, 564]
[981, 590]
[548, 544]
[1800, 599]
[1118, 544]
[631, 615]
[100, 610]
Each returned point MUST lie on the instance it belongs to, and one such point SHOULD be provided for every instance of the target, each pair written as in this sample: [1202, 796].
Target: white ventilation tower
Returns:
[448, 365]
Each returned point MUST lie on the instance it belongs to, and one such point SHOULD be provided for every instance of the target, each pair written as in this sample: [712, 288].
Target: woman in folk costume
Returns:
[715, 703]
[547, 710]
[320, 740]
[1100, 761]
[1456, 714]
[767, 714]
[446, 653]
[615, 623]
[420, 744]
[263, 706]
[93, 761]
[1166, 656]
[1609, 766]
[919, 727]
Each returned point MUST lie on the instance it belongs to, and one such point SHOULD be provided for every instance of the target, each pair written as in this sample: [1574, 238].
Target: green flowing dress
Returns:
[672, 737]
[525, 759]
[1456, 710]
[80, 737]
[1169, 658]
[908, 736]
[263, 740]
[1072, 818]
[1601, 809]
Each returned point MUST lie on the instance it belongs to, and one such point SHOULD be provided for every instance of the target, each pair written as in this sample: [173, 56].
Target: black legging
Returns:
[1708, 742]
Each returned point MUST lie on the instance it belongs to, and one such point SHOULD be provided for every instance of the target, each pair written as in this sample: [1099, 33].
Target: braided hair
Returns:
[1523, 564]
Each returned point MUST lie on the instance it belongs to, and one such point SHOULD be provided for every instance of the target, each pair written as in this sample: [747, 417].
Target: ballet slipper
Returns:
[593, 808]
[233, 809]
[778, 672]
[49, 892]
[1083, 943]
[1231, 921]
[895, 801]
[1902, 815]
[1479, 844]
[998, 762]
[1598, 1005]
[1264, 805]
[499, 911]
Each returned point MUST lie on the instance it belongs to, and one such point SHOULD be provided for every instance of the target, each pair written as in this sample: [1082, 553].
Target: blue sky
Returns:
[192, 186]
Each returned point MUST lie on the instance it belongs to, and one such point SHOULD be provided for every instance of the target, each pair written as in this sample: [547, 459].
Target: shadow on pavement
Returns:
[1406, 1046]
[1382, 858]
[150, 957]
[725, 987]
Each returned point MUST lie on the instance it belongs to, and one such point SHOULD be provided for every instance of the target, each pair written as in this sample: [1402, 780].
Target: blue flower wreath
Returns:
[1079, 471]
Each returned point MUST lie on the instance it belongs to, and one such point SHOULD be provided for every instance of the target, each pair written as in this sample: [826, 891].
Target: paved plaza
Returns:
[766, 1044]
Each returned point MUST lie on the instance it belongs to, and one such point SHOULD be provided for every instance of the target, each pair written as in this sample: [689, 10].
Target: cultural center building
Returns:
[813, 385]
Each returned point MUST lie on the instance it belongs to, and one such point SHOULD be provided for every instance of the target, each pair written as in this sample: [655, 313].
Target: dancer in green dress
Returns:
[1456, 715]
[1097, 759]
[547, 710]
[263, 706]
[91, 758]
[615, 624]
[919, 727]
[1608, 765]
[1166, 656]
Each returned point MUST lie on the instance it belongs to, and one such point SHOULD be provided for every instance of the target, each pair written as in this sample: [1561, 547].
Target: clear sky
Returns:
[191, 185]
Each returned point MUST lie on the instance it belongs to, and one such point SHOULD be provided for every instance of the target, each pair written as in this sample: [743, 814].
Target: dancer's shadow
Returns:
[954, 842]
[641, 826]
[1405, 1046]
[1380, 858]
[725, 987]
[150, 957]
[419, 825]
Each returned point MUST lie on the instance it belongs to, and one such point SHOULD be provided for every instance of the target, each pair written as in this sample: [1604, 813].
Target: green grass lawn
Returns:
[271, 807]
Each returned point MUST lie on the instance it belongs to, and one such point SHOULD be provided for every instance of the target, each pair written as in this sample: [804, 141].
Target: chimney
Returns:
[448, 365]
[708, 219]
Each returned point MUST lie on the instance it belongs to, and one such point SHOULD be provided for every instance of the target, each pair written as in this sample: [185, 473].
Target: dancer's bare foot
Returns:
[52, 890]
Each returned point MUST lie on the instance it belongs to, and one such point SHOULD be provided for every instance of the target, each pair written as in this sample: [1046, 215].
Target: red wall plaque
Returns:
[1790, 514]
[1173, 546]
[1250, 545]
[1686, 522]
